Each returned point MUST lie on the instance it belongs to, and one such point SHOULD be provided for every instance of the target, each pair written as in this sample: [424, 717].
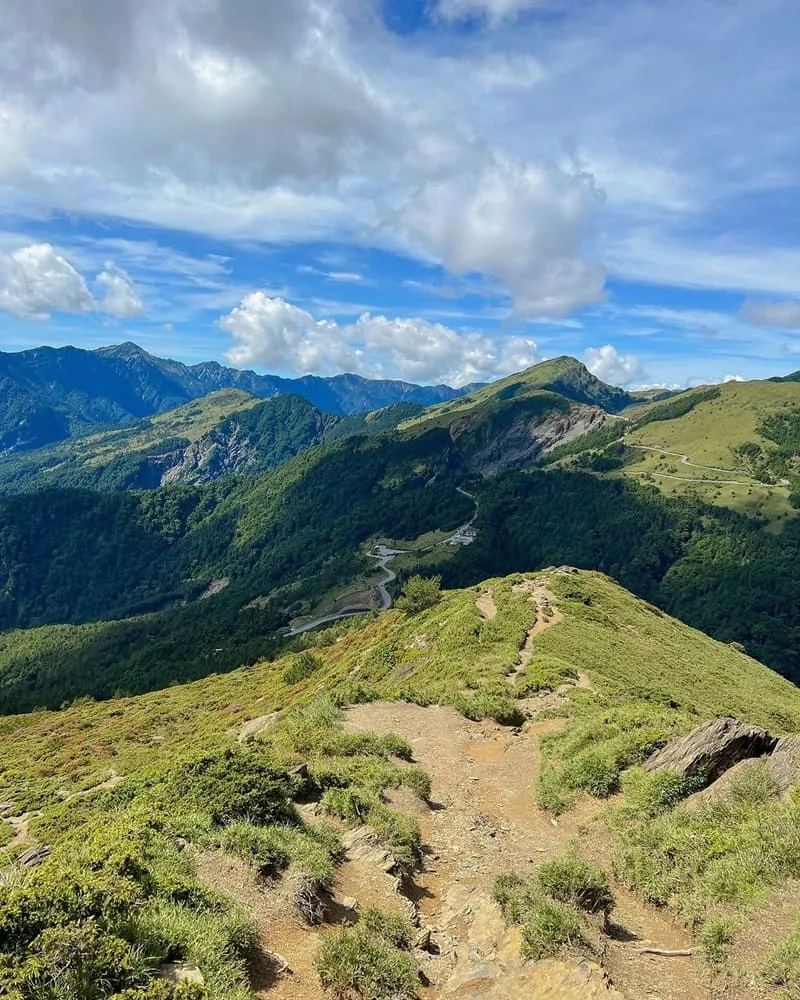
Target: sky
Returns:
[433, 190]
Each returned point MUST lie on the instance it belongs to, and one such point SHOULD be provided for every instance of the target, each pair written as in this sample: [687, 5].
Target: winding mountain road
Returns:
[685, 461]
[383, 556]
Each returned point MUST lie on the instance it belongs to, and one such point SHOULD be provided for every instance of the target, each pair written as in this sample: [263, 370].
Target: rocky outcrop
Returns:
[711, 749]
[784, 764]
[490, 447]
[216, 454]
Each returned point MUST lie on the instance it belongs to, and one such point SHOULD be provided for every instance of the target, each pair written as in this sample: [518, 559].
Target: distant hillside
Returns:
[564, 376]
[228, 432]
[49, 394]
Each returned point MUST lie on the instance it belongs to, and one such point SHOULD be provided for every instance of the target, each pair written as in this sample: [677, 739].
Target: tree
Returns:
[419, 594]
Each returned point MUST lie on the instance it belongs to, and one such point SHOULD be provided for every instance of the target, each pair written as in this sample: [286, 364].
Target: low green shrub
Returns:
[516, 897]
[301, 668]
[399, 832]
[544, 673]
[396, 931]
[272, 849]
[419, 593]
[479, 705]
[360, 963]
[715, 936]
[79, 960]
[236, 783]
[569, 879]
[597, 745]
[548, 928]
[650, 794]
[719, 854]
[781, 966]
[160, 989]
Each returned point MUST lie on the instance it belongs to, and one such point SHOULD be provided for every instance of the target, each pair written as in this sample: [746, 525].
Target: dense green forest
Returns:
[146, 452]
[105, 590]
[288, 537]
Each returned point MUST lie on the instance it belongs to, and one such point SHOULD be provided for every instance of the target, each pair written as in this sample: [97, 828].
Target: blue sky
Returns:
[437, 190]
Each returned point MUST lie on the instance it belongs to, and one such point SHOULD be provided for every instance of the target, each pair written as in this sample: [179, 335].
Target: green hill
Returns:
[173, 583]
[222, 827]
[229, 432]
[564, 376]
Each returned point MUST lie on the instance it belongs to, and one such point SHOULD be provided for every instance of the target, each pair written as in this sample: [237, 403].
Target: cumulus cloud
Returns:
[520, 222]
[274, 334]
[493, 10]
[36, 280]
[121, 298]
[734, 378]
[284, 121]
[611, 366]
[785, 314]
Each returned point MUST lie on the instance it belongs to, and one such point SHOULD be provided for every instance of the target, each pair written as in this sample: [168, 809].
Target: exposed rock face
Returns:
[482, 958]
[526, 439]
[181, 972]
[711, 749]
[214, 455]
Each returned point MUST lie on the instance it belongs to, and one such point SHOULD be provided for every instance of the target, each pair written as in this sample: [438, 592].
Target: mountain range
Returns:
[274, 679]
[49, 394]
[129, 555]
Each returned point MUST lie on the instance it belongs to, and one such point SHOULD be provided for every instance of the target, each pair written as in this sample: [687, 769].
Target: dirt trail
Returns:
[486, 606]
[283, 936]
[546, 615]
[483, 822]
[748, 481]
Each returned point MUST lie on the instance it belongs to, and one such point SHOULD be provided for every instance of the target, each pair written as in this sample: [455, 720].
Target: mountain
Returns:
[49, 394]
[486, 767]
[149, 584]
[564, 376]
[228, 432]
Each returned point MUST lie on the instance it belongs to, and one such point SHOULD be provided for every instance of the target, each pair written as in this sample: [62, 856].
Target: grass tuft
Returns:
[359, 963]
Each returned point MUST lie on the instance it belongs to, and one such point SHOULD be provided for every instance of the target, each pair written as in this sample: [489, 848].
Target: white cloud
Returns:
[734, 378]
[611, 366]
[493, 10]
[515, 71]
[785, 315]
[276, 335]
[121, 298]
[36, 280]
[520, 222]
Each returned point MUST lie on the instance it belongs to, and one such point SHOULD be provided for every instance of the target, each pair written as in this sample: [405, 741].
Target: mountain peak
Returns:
[127, 351]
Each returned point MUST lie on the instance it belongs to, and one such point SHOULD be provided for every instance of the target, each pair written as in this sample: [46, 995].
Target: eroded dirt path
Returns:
[483, 822]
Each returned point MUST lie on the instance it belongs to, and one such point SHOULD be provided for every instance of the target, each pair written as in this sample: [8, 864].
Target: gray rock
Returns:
[784, 764]
[350, 903]
[181, 972]
[711, 749]
[423, 941]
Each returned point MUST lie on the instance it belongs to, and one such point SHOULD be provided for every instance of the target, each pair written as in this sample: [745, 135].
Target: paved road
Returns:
[691, 479]
[383, 556]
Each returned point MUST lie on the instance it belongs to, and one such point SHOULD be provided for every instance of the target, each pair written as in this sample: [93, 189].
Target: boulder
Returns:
[784, 764]
[708, 751]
